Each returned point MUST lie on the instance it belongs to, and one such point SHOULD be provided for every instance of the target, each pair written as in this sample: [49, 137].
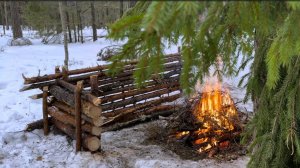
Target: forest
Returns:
[149, 84]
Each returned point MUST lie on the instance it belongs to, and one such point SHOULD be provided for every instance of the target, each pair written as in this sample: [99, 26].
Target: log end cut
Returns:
[92, 143]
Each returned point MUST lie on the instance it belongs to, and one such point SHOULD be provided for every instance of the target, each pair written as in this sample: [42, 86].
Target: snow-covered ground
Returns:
[24, 149]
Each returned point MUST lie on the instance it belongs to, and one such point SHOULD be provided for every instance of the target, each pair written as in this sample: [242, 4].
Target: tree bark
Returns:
[69, 119]
[16, 19]
[87, 108]
[64, 29]
[138, 92]
[121, 8]
[65, 108]
[135, 99]
[78, 127]
[78, 10]
[6, 15]
[45, 110]
[93, 21]
[74, 27]
[69, 27]
[86, 96]
[130, 66]
[118, 126]
[3, 17]
[39, 124]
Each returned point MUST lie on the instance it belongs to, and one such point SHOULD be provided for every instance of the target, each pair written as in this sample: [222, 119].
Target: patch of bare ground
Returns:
[159, 133]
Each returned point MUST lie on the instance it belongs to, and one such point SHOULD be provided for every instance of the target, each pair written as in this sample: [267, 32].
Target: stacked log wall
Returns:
[105, 102]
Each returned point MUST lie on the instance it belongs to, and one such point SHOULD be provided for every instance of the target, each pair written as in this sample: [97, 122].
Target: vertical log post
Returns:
[65, 73]
[57, 70]
[77, 96]
[45, 110]
[94, 83]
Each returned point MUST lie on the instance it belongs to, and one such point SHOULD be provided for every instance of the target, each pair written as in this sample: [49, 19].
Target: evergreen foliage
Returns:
[266, 33]
[42, 16]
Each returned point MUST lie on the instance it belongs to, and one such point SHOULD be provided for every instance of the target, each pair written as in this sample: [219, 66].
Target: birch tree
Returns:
[62, 11]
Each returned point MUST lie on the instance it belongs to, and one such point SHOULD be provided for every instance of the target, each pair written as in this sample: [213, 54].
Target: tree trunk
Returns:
[79, 23]
[16, 20]
[69, 27]
[121, 8]
[5, 14]
[3, 17]
[93, 22]
[64, 29]
[74, 27]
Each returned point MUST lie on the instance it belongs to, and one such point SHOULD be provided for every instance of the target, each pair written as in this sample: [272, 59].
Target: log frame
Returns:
[78, 114]
[45, 110]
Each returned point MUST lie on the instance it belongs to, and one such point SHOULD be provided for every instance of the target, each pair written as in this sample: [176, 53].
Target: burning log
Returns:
[92, 143]
[68, 119]
[87, 108]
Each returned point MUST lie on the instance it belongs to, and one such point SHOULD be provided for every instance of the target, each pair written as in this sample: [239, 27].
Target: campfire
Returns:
[216, 117]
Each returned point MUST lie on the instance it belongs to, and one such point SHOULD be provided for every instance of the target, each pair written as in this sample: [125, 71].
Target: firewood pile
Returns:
[82, 103]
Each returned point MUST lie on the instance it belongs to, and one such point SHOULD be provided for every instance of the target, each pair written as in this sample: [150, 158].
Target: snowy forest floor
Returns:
[124, 148]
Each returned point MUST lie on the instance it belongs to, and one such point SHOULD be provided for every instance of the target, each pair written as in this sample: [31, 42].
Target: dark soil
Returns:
[160, 133]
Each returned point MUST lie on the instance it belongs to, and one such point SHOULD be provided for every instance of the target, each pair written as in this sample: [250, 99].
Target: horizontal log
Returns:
[143, 105]
[70, 79]
[118, 89]
[86, 96]
[88, 108]
[118, 126]
[68, 119]
[164, 79]
[36, 96]
[135, 99]
[38, 124]
[92, 143]
[138, 92]
[80, 71]
[65, 108]
[136, 112]
[129, 72]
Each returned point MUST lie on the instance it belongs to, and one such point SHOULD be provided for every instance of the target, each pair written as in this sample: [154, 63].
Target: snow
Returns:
[32, 149]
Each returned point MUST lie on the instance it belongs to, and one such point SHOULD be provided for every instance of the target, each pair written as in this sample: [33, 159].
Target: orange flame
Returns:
[216, 111]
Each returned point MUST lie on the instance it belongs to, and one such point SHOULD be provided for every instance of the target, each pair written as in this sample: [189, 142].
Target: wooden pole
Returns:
[94, 83]
[45, 110]
[129, 66]
[78, 114]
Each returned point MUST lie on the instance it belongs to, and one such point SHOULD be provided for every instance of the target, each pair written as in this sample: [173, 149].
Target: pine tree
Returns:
[266, 33]
[16, 19]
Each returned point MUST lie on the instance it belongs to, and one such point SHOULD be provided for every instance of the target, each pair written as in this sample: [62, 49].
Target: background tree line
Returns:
[44, 16]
